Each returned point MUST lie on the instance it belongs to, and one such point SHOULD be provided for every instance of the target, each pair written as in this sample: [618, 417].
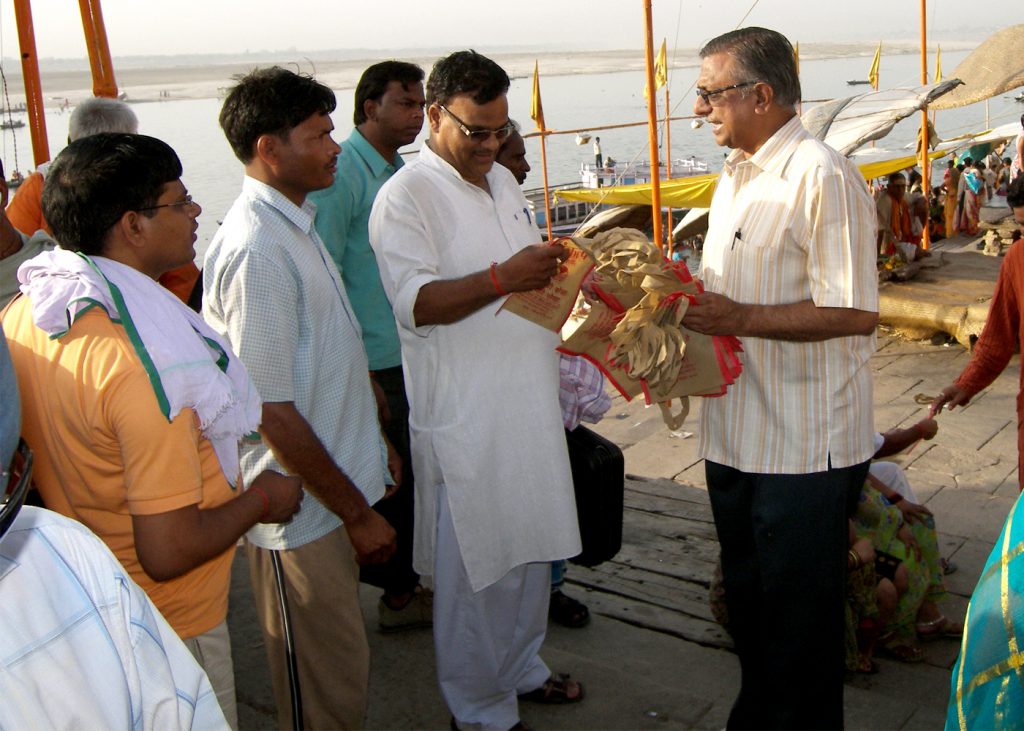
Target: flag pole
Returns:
[537, 114]
[926, 178]
[652, 126]
[547, 192]
[668, 167]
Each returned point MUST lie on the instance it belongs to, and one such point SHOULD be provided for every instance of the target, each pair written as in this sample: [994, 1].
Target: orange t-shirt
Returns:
[104, 452]
[25, 211]
[181, 281]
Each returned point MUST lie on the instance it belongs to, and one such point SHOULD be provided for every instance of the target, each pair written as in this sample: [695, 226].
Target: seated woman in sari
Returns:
[905, 542]
[870, 603]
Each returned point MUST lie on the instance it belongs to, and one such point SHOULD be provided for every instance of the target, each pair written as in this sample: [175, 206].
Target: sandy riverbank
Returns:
[185, 78]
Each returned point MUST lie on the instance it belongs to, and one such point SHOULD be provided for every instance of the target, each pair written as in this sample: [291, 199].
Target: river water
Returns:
[214, 176]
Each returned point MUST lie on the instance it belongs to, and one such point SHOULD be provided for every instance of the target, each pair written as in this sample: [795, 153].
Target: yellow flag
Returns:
[873, 73]
[938, 64]
[536, 109]
[660, 69]
[796, 57]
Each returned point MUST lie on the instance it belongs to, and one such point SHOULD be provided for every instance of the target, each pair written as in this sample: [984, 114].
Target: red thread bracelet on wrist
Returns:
[266, 502]
[494, 279]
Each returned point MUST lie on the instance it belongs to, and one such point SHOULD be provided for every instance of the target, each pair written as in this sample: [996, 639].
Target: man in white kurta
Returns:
[494, 493]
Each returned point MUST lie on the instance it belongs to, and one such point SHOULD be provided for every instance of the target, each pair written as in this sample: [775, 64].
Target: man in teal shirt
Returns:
[388, 115]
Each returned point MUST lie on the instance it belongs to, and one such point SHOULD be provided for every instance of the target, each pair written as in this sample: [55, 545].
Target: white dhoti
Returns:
[487, 642]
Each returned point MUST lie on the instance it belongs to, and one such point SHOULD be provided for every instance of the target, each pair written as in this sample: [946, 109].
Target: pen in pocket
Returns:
[736, 237]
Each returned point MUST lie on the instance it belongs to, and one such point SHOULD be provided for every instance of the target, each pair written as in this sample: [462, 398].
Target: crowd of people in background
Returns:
[340, 388]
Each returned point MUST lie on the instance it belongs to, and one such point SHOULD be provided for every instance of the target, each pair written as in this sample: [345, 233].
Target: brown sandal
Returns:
[557, 690]
[901, 650]
[942, 626]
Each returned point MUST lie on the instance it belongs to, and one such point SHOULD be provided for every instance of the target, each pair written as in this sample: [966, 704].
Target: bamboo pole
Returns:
[926, 178]
[547, 190]
[668, 168]
[33, 87]
[652, 125]
[103, 83]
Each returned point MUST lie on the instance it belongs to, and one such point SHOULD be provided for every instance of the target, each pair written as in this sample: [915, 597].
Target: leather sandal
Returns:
[556, 690]
[942, 626]
[567, 611]
[900, 650]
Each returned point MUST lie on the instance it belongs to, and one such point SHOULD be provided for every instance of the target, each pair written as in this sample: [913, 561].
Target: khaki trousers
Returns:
[212, 650]
[333, 657]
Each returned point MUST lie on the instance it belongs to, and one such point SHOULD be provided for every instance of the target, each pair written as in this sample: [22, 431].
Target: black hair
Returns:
[761, 55]
[466, 72]
[374, 82]
[1015, 192]
[270, 101]
[97, 179]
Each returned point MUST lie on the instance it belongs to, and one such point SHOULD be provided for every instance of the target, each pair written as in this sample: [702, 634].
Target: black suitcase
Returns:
[598, 476]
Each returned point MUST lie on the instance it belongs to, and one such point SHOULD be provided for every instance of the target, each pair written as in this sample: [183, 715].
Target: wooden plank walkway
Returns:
[659, 580]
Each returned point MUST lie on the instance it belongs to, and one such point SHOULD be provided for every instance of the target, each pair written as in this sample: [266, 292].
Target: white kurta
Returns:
[483, 392]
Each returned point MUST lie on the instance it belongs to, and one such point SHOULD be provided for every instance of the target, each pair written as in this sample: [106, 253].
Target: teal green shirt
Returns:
[342, 218]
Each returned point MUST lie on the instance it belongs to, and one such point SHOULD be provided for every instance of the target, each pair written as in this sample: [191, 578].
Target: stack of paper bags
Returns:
[633, 331]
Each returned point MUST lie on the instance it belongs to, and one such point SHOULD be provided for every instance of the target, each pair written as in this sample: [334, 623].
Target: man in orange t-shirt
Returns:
[92, 116]
[100, 390]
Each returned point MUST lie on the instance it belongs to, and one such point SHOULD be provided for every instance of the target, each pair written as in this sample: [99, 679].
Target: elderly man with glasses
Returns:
[494, 501]
[789, 267]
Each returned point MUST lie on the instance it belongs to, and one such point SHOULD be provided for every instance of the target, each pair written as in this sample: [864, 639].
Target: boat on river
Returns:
[567, 215]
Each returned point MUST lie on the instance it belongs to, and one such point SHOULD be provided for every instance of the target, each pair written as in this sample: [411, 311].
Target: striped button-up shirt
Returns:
[82, 645]
[794, 222]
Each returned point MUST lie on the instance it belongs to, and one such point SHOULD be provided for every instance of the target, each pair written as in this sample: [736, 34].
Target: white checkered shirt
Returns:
[271, 287]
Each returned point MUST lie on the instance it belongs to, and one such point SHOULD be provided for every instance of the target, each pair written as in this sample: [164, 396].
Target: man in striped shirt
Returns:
[789, 266]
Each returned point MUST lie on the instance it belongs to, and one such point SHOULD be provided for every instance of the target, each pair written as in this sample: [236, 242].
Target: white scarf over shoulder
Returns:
[189, 365]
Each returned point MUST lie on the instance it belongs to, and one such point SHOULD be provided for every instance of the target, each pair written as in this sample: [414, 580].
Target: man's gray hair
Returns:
[761, 55]
[99, 114]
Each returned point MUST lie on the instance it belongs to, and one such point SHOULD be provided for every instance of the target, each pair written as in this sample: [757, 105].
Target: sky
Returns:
[146, 27]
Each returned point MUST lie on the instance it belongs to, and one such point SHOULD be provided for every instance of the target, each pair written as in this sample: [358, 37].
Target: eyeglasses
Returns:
[481, 135]
[186, 201]
[708, 95]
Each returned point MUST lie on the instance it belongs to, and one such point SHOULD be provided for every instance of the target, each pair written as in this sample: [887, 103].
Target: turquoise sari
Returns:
[987, 689]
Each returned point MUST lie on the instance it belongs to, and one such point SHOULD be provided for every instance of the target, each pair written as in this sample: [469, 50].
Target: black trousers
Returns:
[784, 543]
[396, 576]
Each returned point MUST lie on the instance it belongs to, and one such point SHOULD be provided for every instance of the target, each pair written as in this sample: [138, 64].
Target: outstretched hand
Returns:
[951, 397]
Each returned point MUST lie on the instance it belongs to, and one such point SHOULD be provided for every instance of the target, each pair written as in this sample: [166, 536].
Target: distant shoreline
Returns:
[180, 79]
